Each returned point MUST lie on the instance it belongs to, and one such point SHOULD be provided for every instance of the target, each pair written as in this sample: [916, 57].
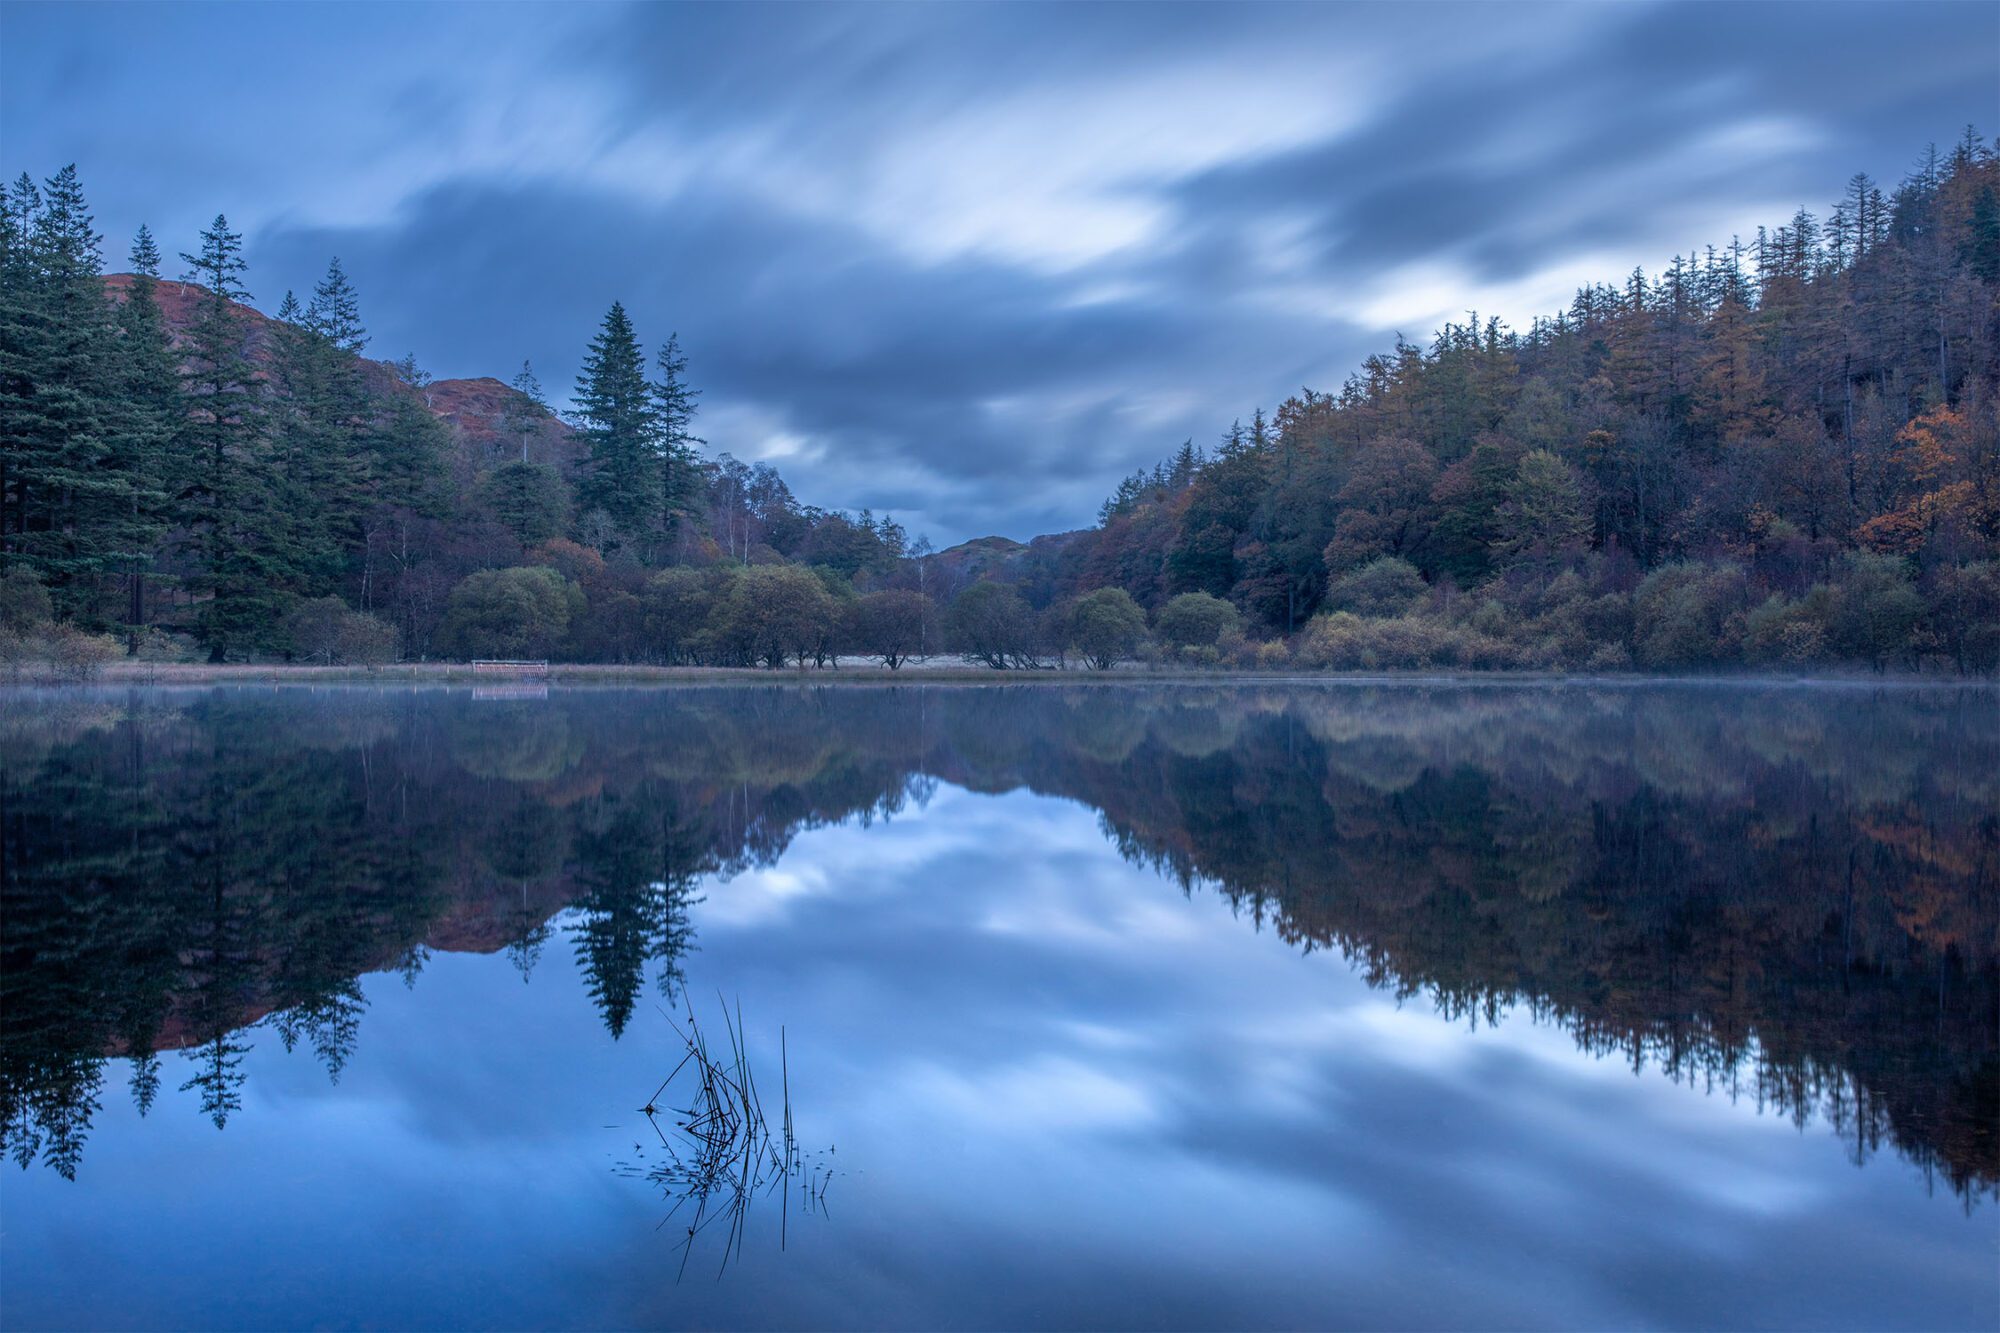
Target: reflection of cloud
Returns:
[1148, 1112]
[1044, 1095]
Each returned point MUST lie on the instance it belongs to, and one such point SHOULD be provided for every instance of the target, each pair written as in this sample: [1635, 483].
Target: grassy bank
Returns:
[935, 671]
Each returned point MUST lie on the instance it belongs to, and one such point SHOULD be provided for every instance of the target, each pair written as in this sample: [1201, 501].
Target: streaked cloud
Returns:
[972, 263]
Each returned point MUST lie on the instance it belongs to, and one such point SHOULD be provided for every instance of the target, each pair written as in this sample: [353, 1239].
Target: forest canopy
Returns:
[1779, 453]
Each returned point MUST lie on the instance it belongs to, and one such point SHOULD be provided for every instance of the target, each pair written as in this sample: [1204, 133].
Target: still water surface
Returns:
[1416, 1006]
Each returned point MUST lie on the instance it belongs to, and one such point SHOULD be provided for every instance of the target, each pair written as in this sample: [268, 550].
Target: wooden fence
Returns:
[507, 667]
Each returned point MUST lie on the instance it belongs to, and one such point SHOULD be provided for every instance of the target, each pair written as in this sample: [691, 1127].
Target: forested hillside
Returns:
[1782, 453]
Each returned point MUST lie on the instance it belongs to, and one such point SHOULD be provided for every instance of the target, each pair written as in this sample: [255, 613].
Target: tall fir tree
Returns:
[528, 410]
[227, 503]
[150, 424]
[620, 423]
[530, 499]
[335, 312]
[57, 352]
[680, 465]
[24, 333]
[310, 477]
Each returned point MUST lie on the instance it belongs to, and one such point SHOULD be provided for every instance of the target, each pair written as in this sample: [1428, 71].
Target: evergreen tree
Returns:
[680, 465]
[310, 478]
[227, 503]
[56, 357]
[528, 410]
[621, 425]
[150, 424]
[531, 500]
[335, 312]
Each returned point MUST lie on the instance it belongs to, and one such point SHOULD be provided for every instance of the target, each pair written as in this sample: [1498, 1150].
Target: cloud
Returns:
[973, 263]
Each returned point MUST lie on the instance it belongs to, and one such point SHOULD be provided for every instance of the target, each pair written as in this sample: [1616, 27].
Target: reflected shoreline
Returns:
[1749, 887]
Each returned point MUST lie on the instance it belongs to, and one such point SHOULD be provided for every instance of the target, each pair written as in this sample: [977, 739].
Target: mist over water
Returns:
[1323, 1005]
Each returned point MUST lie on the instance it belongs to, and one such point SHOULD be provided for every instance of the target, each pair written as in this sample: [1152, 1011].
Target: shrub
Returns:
[1875, 609]
[675, 608]
[777, 613]
[324, 630]
[1609, 657]
[1107, 627]
[895, 624]
[990, 623]
[1386, 586]
[1344, 641]
[521, 612]
[74, 656]
[366, 640]
[1964, 615]
[1195, 620]
[1689, 614]
[158, 645]
[1783, 632]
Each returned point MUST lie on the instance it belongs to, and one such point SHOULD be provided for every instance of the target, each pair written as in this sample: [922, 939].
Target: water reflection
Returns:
[1774, 893]
[718, 1154]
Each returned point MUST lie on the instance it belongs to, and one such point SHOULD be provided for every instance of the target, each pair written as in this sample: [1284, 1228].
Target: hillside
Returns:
[478, 411]
[1782, 453]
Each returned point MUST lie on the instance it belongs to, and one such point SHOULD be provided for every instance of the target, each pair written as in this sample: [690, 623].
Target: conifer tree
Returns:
[150, 423]
[528, 410]
[227, 502]
[309, 475]
[530, 499]
[58, 469]
[24, 333]
[621, 425]
[344, 467]
[679, 464]
[335, 312]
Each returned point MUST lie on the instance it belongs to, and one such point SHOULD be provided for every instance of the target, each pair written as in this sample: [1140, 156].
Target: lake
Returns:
[1319, 1005]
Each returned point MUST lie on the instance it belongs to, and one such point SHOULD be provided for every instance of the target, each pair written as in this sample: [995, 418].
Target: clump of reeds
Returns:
[721, 1152]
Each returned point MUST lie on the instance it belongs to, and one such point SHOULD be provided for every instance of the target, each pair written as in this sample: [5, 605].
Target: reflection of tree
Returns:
[638, 863]
[175, 875]
[529, 931]
[330, 1022]
[1801, 929]
[1769, 892]
[218, 978]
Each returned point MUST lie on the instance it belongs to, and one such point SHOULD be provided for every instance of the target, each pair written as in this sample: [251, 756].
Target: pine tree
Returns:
[621, 425]
[1981, 248]
[24, 332]
[74, 499]
[335, 312]
[530, 499]
[680, 466]
[150, 424]
[528, 410]
[309, 473]
[227, 502]
[342, 469]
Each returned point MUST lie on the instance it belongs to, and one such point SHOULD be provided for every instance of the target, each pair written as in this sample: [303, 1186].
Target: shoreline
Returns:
[143, 675]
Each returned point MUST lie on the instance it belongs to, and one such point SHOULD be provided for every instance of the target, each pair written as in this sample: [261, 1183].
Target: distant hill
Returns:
[476, 410]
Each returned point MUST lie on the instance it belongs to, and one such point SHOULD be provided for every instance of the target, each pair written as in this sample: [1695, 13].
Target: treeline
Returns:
[1776, 455]
[1781, 453]
[181, 475]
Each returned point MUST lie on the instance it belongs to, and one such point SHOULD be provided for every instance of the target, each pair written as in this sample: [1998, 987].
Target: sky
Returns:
[971, 264]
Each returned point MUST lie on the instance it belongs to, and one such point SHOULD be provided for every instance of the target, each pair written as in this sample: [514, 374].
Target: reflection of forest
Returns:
[1795, 895]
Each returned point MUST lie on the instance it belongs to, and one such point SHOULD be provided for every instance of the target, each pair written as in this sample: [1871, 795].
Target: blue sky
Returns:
[967, 263]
